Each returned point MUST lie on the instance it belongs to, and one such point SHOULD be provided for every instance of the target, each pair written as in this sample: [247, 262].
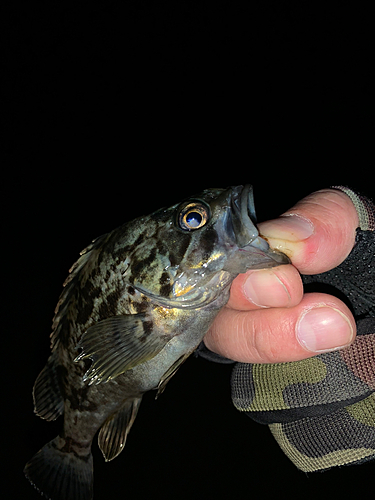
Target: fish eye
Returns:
[193, 216]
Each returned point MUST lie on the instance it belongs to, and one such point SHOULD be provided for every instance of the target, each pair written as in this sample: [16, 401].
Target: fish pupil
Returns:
[194, 219]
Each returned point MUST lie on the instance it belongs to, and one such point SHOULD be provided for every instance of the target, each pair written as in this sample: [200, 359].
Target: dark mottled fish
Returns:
[136, 304]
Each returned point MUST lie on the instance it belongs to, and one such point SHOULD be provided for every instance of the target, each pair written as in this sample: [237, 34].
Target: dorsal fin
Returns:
[113, 434]
[91, 252]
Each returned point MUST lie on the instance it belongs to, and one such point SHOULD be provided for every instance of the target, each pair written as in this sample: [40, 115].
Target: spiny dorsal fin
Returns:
[113, 434]
[118, 344]
[80, 269]
[48, 400]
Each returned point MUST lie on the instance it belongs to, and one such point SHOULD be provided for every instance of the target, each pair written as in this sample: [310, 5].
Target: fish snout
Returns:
[246, 234]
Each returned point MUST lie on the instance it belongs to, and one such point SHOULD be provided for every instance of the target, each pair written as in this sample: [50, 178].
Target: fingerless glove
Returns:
[321, 410]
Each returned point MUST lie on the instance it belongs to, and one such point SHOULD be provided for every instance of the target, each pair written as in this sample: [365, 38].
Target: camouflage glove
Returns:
[321, 410]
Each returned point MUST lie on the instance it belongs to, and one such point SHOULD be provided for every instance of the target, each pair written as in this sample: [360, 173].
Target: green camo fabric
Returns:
[321, 410]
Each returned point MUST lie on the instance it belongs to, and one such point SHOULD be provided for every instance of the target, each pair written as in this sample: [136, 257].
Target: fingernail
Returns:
[265, 289]
[291, 227]
[323, 329]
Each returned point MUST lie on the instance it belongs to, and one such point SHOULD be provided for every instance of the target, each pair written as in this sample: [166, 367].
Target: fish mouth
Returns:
[253, 251]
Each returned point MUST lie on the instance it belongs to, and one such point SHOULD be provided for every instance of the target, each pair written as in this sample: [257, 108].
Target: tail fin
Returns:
[61, 475]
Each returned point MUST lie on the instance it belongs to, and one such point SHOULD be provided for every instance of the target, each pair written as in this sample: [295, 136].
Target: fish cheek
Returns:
[151, 273]
[202, 248]
[141, 262]
[173, 244]
[209, 242]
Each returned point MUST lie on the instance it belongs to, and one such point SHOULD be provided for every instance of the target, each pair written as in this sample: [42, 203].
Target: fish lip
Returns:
[243, 216]
[243, 228]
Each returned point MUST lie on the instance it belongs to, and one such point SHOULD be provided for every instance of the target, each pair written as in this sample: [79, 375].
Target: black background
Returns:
[114, 109]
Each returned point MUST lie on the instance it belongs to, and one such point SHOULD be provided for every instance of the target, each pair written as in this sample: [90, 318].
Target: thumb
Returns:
[317, 234]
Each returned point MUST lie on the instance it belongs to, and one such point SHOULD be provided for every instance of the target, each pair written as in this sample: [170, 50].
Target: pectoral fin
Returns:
[118, 344]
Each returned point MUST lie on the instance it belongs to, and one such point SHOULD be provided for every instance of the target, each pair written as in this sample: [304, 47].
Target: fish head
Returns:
[203, 244]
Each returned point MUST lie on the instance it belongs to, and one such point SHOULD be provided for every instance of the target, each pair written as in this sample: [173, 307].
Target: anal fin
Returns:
[48, 400]
[114, 431]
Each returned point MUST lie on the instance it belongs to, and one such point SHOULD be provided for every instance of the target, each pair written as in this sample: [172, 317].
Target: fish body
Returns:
[135, 305]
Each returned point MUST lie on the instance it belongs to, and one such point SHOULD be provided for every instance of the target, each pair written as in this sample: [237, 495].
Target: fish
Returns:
[136, 304]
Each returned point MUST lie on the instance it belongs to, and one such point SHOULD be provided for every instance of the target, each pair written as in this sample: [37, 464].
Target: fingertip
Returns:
[319, 323]
[314, 323]
[265, 288]
[317, 234]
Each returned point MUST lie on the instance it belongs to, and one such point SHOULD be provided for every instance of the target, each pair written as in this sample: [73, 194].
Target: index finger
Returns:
[317, 234]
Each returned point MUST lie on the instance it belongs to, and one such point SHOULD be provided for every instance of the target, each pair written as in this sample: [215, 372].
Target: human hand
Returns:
[268, 318]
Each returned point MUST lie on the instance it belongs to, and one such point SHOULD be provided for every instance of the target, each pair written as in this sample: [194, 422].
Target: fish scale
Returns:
[136, 304]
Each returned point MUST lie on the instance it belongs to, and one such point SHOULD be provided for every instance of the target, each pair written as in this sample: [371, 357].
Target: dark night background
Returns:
[117, 108]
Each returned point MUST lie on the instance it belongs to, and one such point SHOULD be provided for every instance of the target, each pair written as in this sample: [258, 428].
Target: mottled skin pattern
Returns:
[177, 280]
[100, 286]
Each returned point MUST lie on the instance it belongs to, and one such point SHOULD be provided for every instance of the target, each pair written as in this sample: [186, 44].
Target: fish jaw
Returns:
[239, 249]
[250, 250]
[258, 255]
[194, 295]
